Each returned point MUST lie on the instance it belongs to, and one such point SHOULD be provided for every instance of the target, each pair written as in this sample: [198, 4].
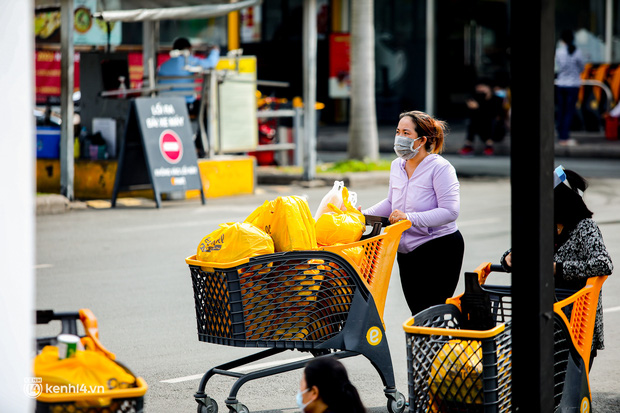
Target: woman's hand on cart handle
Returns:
[397, 216]
[508, 259]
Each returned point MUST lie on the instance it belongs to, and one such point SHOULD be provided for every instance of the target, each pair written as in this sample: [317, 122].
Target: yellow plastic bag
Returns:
[289, 222]
[338, 226]
[456, 374]
[84, 372]
[234, 241]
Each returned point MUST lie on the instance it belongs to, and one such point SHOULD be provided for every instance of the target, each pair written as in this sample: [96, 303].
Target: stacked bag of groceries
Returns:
[286, 224]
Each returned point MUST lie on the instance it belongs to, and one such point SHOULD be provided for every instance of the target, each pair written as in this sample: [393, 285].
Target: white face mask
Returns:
[300, 400]
[403, 147]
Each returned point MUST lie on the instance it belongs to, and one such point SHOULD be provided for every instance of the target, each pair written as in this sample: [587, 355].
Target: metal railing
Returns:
[208, 83]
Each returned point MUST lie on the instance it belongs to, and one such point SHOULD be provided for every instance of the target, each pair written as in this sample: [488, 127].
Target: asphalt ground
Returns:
[127, 265]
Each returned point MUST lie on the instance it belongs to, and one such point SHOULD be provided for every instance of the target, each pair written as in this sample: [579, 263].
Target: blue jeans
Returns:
[566, 100]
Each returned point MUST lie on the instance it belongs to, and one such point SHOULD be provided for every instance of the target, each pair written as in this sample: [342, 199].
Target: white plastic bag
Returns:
[334, 196]
[353, 199]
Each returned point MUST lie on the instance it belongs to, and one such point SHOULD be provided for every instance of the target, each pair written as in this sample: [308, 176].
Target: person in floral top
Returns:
[579, 249]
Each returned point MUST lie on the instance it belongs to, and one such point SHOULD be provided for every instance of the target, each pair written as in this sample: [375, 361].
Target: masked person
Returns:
[175, 71]
[579, 250]
[325, 388]
[424, 189]
[487, 119]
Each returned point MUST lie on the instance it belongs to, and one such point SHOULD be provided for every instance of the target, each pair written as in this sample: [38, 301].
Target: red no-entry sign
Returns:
[153, 153]
[171, 146]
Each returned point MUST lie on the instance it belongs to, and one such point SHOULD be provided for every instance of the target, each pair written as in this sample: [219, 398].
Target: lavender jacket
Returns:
[430, 198]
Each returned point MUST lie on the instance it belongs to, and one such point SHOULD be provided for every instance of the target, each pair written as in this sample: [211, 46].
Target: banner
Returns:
[339, 65]
[47, 74]
[86, 29]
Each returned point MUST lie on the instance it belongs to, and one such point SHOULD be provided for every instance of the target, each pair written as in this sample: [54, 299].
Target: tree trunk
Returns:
[363, 137]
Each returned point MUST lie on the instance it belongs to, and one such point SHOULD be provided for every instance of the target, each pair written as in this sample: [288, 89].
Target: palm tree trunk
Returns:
[363, 138]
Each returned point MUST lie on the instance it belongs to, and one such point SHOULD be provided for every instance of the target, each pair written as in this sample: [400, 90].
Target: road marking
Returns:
[611, 310]
[39, 266]
[239, 369]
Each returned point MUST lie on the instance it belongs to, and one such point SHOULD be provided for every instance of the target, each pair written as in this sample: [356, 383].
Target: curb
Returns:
[51, 204]
[271, 176]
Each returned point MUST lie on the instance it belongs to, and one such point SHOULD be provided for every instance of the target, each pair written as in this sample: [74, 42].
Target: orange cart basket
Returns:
[119, 400]
[452, 369]
[322, 301]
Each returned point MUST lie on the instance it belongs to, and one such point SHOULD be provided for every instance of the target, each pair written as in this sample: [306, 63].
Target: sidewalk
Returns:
[332, 144]
[590, 144]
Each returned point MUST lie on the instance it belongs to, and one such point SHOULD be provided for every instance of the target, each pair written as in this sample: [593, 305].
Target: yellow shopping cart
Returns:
[328, 302]
[453, 368]
[113, 397]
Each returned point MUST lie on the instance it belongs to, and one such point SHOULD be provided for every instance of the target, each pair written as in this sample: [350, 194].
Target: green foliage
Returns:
[354, 165]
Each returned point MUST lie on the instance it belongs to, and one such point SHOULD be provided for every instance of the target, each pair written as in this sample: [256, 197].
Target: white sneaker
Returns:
[568, 142]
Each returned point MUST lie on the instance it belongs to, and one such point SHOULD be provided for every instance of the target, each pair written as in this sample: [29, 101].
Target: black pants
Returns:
[488, 130]
[193, 109]
[430, 273]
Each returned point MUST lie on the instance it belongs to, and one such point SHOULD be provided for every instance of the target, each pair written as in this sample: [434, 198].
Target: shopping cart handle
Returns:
[497, 268]
[45, 316]
[376, 222]
[68, 319]
[372, 219]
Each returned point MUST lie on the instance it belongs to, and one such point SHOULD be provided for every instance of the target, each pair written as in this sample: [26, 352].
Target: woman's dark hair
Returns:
[425, 125]
[569, 207]
[568, 38]
[331, 378]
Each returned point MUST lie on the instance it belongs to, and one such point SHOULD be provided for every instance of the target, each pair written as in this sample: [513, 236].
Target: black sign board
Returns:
[157, 151]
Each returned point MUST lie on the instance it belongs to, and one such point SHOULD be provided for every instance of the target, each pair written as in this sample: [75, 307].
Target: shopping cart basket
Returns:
[455, 369]
[117, 400]
[328, 302]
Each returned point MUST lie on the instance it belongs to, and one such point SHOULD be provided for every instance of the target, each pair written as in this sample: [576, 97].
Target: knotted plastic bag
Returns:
[289, 222]
[340, 226]
[234, 241]
[85, 371]
[334, 196]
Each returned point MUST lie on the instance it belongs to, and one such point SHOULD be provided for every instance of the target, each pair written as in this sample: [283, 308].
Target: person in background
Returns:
[325, 387]
[579, 249]
[424, 189]
[487, 119]
[177, 66]
[569, 64]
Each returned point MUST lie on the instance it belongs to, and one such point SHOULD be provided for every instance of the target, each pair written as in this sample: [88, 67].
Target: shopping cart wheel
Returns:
[398, 404]
[209, 406]
[238, 408]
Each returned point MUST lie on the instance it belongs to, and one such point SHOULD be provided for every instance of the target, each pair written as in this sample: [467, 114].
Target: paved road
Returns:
[127, 265]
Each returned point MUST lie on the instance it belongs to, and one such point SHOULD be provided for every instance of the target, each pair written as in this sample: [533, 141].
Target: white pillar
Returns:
[17, 206]
[66, 99]
[430, 58]
[150, 44]
[608, 30]
[309, 61]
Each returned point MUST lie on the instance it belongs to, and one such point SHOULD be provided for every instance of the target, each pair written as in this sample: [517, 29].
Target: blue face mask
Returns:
[403, 147]
[300, 401]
